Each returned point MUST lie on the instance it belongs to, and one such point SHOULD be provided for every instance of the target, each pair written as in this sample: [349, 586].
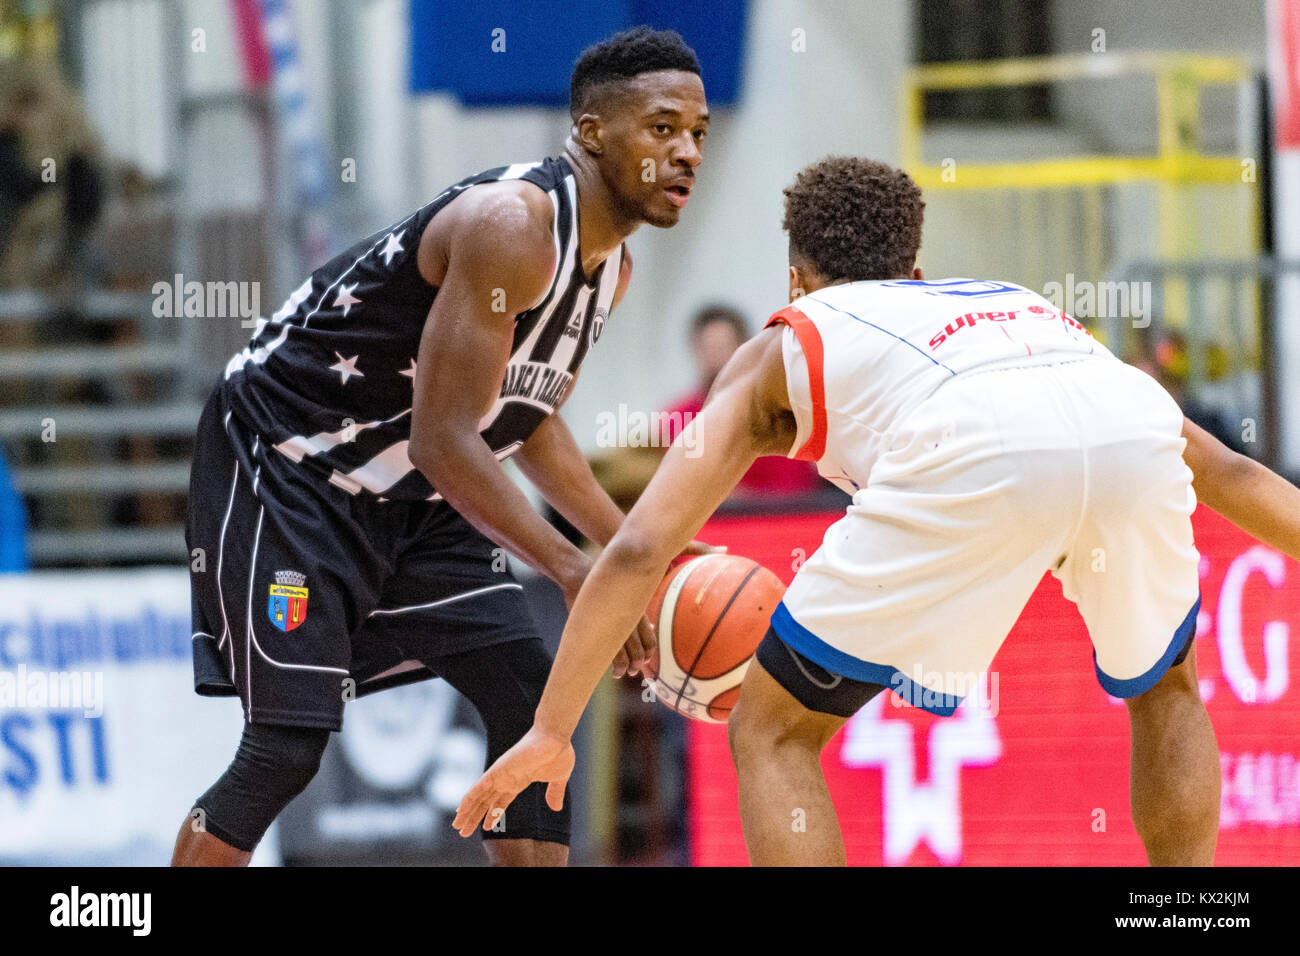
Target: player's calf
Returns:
[788, 710]
[1174, 770]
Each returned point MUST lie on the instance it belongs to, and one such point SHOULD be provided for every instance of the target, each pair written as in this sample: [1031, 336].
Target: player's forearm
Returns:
[469, 477]
[1255, 499]
[552, 461]
[608, 608]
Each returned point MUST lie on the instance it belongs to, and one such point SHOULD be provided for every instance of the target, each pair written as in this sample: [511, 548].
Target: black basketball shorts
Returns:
[305, 596]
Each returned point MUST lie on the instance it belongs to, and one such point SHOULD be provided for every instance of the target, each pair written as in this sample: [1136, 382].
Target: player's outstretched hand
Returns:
[537, 756]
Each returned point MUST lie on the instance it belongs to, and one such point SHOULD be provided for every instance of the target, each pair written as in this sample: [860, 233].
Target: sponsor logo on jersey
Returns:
[287, 604]
[971, 318]
[598, 324]
[535, 382]
[574, 329]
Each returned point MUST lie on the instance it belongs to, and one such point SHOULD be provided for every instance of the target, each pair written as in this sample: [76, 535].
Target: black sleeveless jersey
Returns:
[328, 379]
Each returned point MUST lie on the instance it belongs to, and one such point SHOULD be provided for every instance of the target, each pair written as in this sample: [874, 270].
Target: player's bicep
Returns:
[1203, 453]
[462, 357]
[1216, 469]
[496, 271]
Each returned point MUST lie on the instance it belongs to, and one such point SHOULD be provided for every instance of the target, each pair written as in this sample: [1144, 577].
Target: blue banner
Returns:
[508, 53]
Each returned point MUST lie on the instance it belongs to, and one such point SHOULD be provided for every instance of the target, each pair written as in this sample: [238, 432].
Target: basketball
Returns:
[710, 614]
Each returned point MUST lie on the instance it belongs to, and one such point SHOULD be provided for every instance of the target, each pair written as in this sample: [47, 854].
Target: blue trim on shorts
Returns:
[837, 662]
[1144, 682]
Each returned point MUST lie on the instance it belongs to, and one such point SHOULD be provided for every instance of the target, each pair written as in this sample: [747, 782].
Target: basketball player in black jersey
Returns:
[347, 487]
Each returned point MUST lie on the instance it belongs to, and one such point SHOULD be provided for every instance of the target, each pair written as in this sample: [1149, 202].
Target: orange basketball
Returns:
[710, 614]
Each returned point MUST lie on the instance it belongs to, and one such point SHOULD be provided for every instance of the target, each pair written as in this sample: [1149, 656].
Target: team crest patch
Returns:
[287, 606]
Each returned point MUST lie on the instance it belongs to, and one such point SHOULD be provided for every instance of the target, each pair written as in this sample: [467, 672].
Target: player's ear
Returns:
[917, 274]
[590, 133]
[796, 284]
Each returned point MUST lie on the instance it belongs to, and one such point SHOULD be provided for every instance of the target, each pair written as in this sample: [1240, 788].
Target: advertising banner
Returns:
[103, 743]
[1039, 774]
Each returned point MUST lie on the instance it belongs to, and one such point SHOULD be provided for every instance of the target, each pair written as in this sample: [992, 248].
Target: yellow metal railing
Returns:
[1036, 193]
[1178, 77]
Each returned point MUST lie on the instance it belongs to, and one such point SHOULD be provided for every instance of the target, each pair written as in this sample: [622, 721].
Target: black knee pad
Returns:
[272, 766]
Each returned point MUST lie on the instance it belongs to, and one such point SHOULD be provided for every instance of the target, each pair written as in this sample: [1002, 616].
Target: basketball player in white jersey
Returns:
[986, 438]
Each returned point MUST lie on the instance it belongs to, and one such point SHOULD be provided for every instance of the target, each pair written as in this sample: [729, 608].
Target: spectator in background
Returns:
[19, 182]
[716, 332]
[51, 184]
[13, 525]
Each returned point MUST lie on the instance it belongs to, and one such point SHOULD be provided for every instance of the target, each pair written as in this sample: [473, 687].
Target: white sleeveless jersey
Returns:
[860, 356]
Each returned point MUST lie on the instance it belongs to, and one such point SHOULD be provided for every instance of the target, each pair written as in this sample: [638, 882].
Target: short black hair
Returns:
[625, 55]
[711, 314]
[853, 218]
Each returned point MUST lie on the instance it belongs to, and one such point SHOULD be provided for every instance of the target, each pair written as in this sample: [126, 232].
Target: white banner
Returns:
[104, 745]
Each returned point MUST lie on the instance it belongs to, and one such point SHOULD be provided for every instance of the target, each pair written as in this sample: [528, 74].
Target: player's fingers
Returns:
[472, 807]
[497, 808]
[644, 644]
[620, 663]
[555, 794]
[478, 803]
[635, 653]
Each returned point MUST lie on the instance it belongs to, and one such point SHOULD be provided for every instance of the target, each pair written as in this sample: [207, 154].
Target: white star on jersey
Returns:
[410, 372]
[345, 298]
[346, 368]
[391, 248]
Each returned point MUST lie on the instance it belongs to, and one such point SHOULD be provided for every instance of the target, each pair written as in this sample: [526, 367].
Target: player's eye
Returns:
[700, 134]
[663, 128]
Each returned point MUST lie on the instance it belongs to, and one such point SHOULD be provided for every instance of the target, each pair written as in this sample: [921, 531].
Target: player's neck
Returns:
[601, 229]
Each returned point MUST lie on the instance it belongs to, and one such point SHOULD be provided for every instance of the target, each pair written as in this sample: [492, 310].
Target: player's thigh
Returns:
[503, 681]
[451, 592]
[917, 587]
[1133, 569]
[288, 575]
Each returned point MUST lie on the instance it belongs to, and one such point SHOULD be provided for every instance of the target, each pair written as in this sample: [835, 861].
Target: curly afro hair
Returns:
[852, 218]
[623, 56]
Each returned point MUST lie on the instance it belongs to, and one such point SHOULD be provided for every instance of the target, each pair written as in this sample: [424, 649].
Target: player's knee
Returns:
[272, 766]
[755, 731]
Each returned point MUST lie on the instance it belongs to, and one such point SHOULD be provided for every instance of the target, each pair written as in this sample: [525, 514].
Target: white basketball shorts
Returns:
[999, 476]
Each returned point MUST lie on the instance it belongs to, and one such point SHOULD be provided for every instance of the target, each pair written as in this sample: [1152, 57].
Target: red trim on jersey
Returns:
[810, 341]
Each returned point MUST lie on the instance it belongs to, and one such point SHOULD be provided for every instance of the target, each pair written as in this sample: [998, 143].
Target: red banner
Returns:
[1285, 28]
[247, 16]
[1039, 773]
